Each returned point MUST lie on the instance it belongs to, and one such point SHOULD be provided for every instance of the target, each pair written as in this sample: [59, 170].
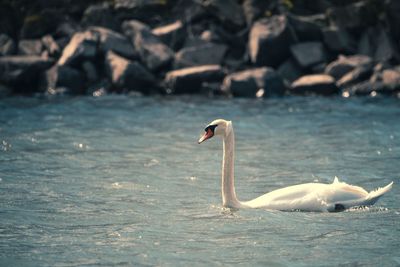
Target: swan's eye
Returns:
[211, 127]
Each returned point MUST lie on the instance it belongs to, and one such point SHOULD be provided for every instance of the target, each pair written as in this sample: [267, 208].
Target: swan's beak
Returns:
[206, 135]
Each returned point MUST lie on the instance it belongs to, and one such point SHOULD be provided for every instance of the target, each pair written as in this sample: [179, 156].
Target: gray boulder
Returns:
[32, 47]
[23, 72]
[228, 12]
[173, 35]
[269, 41]
[51, 46]
[307, 28]
[152, 51]
[254, 9]
[358, 74]
[114, 41]
[7, 45]
[308, 54]
[290, 71]
[254, 82]
[320, 84]
[339, 40]
[100, 15]
[190, 80]
[82, 46]
[63, 79]
[207, 54]
[345, 64]
[126, 74]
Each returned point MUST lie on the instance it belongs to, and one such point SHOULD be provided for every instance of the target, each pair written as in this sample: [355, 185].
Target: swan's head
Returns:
[216, 127]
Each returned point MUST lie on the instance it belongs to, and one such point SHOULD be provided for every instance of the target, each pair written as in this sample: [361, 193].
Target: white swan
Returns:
[305, 197]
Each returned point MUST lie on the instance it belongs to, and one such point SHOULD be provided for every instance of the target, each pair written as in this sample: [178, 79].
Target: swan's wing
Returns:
[317, 197]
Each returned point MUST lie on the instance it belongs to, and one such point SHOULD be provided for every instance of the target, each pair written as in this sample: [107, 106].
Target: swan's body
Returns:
[306, 197]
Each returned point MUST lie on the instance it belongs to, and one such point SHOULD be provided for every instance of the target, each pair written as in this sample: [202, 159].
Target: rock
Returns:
[126, 74]
[363, 88]
[63, 79]
[391, 78]
[343, 65]
[30, 47]
[114, 41]
[190, 80]
[269, 41]
[67, 29]
[290, 71]
[308, 54]
[90, 71]
[100, 15]
[173, 35]
[320, 84]
[208, 54]
[147, 11]
[385, 50]
[392, 10]
[152, 51]
[7, 45]
[82, 46]
[248, 83]
[354, 16]
[23, 72]
[306, 27]
[51, 46]
[228, 12]
[358, 74]
[254, 9]
[339, 40]
[36, 25]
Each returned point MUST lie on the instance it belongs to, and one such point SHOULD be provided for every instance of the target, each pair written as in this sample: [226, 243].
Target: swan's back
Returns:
[317, 197]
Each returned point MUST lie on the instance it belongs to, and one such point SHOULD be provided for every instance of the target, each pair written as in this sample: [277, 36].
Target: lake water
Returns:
[121, 181]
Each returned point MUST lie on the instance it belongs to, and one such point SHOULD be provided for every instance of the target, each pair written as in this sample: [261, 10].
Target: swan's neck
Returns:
[228, 184]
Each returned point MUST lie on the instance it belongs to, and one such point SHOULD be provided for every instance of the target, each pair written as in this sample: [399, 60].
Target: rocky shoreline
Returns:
[248, 48]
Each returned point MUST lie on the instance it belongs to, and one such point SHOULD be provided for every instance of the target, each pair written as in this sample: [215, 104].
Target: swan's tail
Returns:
[374, 195]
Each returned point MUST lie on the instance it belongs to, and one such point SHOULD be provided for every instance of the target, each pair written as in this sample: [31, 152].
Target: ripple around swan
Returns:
[121, 181]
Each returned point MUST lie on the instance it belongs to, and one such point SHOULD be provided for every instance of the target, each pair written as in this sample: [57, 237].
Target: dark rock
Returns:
[339, 40]
[90, 71]
[306, 27]
[190, 80]
[354, 16]
[7, 45]
[63, 80]
[320, 84]
[30, 47]
[254, 82]
[51, 46]
[82, 46]
[23, 72]
[37, 25]
[290, 71]
[385, 49]
[67, 29]
[308, 54]
[126, 74]
[269, 41]
[100, 15]
[228, 12]
[152, 51]
[173, 35]
[358, 74]
[148, 11]
[254, 9]
[392, 10]
[208, 54]
[114, 41]
[343, 65]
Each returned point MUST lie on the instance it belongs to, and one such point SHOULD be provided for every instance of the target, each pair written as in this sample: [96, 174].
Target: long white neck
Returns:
[228, 182]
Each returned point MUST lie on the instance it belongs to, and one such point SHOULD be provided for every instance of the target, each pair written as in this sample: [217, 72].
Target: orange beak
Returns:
[207, 135]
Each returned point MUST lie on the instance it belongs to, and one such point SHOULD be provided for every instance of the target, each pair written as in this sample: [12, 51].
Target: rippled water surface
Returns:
[121, 181]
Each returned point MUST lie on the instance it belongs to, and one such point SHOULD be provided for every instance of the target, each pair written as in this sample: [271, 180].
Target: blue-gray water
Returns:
[121, 181]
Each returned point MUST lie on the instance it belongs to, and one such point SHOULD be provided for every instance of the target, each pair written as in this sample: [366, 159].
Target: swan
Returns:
[336, 196]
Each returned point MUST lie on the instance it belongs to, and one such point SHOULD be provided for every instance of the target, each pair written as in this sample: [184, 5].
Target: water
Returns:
[121, 181]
